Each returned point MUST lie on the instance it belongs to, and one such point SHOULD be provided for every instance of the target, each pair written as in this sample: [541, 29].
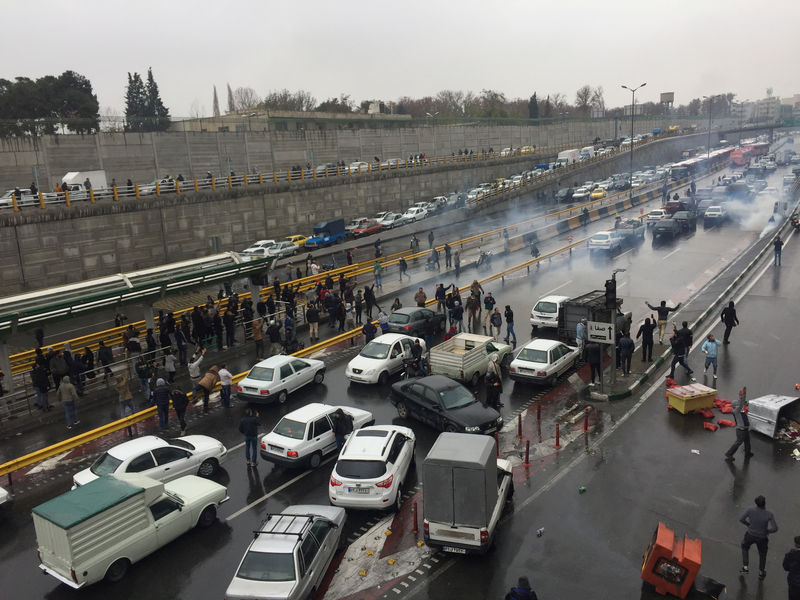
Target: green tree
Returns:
[135, 104]
[215, 103]
[155, 109]
[342, 104]
[533, 107]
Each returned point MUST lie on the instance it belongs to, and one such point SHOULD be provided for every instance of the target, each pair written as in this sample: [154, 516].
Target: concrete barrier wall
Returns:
[61, 245]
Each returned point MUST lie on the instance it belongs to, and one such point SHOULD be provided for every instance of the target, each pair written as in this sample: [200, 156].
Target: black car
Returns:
[444, 404]
[411, 320]
[564, 195]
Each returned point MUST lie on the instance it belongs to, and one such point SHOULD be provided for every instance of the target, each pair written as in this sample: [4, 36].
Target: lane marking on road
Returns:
[671, 253]
[280, 488]
[628, 251]
[555, 289]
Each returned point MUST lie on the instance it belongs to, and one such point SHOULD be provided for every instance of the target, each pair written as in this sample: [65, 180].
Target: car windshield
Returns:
[400, 318]
[600, 237]
[361, 469]
[375, 350]
[291, 429]
[105, 464]
[545, 307]
[261, 373]
[533, 355]
[456, 397]
[267, 566]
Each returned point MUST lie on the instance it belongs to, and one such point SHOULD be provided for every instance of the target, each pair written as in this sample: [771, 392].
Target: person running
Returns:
[728, 316]
[760, 523]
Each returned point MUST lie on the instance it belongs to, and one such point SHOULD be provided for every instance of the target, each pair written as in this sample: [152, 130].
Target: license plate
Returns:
[490, 430]
[358, 490]
[275, 449]
[453, 550]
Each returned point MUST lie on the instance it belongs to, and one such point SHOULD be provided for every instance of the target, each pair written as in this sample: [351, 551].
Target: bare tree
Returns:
[246, 98]
[583, 99]
[559, 102]
[215, 104]
[597, 100]
[286, 100]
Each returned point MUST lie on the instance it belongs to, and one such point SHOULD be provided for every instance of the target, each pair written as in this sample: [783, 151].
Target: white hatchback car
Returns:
[381, 358]
[304, 436]
[542, 361]
[372, 468]
[545, 311]
[289, 555]
[278, 376]
[415, 213]
[158, 458]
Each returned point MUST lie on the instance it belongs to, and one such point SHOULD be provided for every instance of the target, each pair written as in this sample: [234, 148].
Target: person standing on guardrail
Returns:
[68, 395]
[663, 315]
[448, 260]
[41, 382]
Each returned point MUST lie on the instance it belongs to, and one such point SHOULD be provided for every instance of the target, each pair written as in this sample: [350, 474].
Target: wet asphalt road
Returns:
[641, 473]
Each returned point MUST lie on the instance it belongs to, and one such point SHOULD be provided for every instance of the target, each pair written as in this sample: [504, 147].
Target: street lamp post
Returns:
[741, 116]
[633, 111]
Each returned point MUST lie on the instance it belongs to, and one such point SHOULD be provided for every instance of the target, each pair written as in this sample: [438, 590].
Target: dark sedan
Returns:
[444, 404]
[411, 320]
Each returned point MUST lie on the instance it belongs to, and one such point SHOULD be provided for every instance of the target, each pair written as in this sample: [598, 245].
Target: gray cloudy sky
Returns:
[387, 49]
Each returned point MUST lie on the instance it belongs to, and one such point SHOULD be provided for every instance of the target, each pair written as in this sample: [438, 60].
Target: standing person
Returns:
[383, 321]
[67, 394]
[688, 338]
[580, 337]
[395, 305]
[342, 426]
[430, 239]
[161, 400]
[791, 564]
[377, 272]
[58, 367]
[494, 388]
[349, 258]
[229, 320]
[778, 246]
[457, 262]
[420, 298]
[181, 342]
[458, 316]
[144, 372]
[369, 299]
[257, 331]
[274, 335]
[441, 296]
[760, 523]
[678, 354]
[179, 403]
[728, 316]
[41, 383]
[312, 318]
[710, 348]
[206, 384]
[510, 334]
[169, 365]
[225, 381]
[106, 357]
[663, 315]
[594, 356]
[448, 259]
[123, 388]
[403, 268]
[358, 304]
[194, 366]
[522, 591]
[646, 333]
[369, 331]
[626, 347]
[742, 428]
[488, 304]
[496, 322]
[248, 427]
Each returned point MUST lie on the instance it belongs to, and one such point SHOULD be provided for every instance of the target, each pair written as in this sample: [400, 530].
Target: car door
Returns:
[395, 361]
[417, 322]
[435, 414]
[567, 358]
[287, 380]
[415, 399]
[144, 464]
[303, 372]
[322, 531]
[172, 462]
[400, 456]
[170, 520]
[321, 436]
[407, 354]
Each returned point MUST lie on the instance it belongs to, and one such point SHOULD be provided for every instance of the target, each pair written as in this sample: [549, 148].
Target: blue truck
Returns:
[326, 233]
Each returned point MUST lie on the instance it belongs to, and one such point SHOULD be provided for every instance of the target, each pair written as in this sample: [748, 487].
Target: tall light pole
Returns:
[633, 111]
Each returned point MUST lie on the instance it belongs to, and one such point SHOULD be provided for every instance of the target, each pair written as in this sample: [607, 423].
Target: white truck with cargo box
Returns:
[78, 178]
[465, 488]
[465, 356]
[97, 530]
[568, 157]
[772, 414]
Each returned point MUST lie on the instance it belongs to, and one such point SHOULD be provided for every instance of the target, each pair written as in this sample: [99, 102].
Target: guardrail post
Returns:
[213, 183]
[338, 171]
[91, 195]
[245, 180]
[14, 202]
[302, 174]
[116, 195]
[66, 197]
[260, 179]
[196, 186]
[558, 437]
[178, 187]
[527, 462]
[41, 200]
[158, 189]
[230, 182]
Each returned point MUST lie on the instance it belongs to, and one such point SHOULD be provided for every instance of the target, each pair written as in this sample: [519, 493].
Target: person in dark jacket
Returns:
[150, 340]
[679, 354]
[369, 299]
[342, 426]
[730, 319]
[594, 356]
[791, 564]
[144, 372]
[58, 366]
[229, 320]
[522, 591]
[510, 334]
[181, 341]
[369, 331]
[458, 316]
[312, 318]
[41, 382]
[106, 357]
[626, 347]
[161, 400]
[646, 333]
[248, 427]
[179, 402]
[494, 388]
[760, 523]
[77, 368]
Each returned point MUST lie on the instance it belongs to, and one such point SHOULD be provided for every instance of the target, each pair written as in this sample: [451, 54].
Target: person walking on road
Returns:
[594, 356]
[778, 246]
[123, 388]
[728, 316]
[420, 298]
[688, 338]
[760, 523]
[68, 395]
[742, 428]
[580, 337]
[646, 333]
[679, 354]
[377, 272]
[248, 427]
[430, 239]
[179, 403]
[510, 334]
[496, 323]
[521, 591]
[710, 348]
[663, 315]
[402, 267]
[791, 564]
[626, 348]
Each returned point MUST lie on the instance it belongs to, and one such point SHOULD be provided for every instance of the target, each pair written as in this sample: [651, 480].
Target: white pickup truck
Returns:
[466, 356]
[97, 530]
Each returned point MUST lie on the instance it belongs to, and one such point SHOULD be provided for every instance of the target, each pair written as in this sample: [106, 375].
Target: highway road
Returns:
[634, 464]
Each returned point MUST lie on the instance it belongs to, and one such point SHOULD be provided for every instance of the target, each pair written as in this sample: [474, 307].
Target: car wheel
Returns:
[402, 410]
[451, 428]
[282, 396]
[383, 378]
[117, 570]
[207, 517]
[208, 467]
[475, 379]
[319, 376]
[398, 499]
[315, 460]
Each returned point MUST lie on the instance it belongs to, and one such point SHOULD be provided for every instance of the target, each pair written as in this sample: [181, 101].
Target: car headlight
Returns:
[472, 429]
[499, 420]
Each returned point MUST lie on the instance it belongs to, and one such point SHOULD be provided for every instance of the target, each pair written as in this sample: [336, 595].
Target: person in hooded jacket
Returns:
[494, 388]
[206, 384]
[106, 357]
[58, 367]
[161, 400]
[522, 591]
[67, 394]
[179, 402]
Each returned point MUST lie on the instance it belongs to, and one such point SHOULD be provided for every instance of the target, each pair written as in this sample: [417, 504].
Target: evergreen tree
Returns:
[135, 104]
[231, 102]
[215, 103]
[533, 107]
[155, 109]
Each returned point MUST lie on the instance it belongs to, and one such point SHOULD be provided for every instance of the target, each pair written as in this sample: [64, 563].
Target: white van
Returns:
[545, 312]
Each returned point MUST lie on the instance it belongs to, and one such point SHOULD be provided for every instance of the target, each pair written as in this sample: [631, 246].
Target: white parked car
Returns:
[415, 213]
[545, 311]
[355, 224]
[278, 376]
[505, 152]
[305, 436]
[655, 215]
[392, 220]
[260, 245]
[282, 249]
[4, 496]
[605, 241]
[358, 166]
[542, 361]
[157, 458]
[289, 555]
[372, 468]
[581, 194]
[381, 358]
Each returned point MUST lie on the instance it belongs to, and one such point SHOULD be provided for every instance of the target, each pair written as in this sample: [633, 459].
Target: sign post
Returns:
[603, 333]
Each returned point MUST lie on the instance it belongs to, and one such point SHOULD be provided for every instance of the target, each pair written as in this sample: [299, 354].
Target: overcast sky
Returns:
[387, 49]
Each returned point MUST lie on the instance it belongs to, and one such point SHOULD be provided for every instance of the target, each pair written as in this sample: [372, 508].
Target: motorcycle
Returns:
[484, 262]
[414, 368]
[796, 222]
